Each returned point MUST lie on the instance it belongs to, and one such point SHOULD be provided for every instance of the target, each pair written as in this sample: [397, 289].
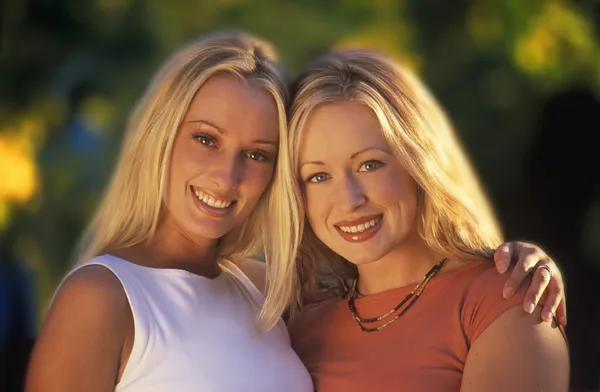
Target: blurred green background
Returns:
[519, 78]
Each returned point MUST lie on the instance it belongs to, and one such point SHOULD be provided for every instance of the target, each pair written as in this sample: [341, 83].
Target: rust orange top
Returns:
[424, 350]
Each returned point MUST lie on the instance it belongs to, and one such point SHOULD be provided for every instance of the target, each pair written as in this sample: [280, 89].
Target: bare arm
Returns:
[80, 345]
[518, 353]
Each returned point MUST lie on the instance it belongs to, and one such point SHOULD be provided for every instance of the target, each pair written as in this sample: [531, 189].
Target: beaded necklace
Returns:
[414, 294]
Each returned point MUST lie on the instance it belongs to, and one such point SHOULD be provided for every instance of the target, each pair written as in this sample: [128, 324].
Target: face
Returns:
[223, 157]
[360, 201]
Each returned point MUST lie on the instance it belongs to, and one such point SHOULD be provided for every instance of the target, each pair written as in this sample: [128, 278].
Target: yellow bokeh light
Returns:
[18, 173]
[18, 167]
[559, 43]
[537, 50]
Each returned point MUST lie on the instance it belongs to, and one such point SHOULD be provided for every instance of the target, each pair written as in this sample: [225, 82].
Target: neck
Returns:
[172, 247]
[405, 265]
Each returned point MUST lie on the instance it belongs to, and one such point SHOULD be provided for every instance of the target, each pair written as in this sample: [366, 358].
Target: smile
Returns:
[210, 200]
[359, 230]
[209, 204]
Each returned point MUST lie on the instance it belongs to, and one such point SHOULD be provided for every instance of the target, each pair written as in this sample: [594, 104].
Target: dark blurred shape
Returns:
[17, 321]
[550, 206]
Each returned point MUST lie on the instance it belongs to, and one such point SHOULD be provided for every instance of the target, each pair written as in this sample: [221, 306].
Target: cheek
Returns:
[258, 180]
[316, 207]
[178, 176]
[404, 198]
[184, 160]
[393, 187]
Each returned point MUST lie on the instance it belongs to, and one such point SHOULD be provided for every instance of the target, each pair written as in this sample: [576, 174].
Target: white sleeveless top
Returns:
[198, 334]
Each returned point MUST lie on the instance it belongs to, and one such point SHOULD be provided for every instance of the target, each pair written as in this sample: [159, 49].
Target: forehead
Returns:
[340, 128]
[235, 104]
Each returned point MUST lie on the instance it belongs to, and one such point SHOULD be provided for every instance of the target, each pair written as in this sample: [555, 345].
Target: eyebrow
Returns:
[205, 122]
[367, 149]
[224, 132]
[312, 163]
[263, 141]
[351, 156]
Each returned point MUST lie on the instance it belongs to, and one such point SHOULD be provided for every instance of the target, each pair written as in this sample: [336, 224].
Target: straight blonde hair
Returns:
[455, 217]
[130, 211]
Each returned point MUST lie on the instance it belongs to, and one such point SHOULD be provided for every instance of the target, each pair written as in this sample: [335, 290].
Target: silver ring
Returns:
[547, 268]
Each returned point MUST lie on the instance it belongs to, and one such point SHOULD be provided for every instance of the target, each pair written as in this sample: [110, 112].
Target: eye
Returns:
[317, 178]
[370, 166]
[204, 139]
[258, 156]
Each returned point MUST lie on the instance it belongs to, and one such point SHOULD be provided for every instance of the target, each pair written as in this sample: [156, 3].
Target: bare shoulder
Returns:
[516, 325]
[518, 352]
[94, 297]
[83, 332]
[93, 287]
[255, 270]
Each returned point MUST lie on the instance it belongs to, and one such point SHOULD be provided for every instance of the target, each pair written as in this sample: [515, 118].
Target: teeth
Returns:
[211, 201]
[360, 228]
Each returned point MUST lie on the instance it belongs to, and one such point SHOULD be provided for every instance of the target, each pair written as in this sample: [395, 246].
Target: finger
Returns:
[502, 257]
[551, 305]
[561, 313]
[540, 281]
[557, 285]
[525, 264]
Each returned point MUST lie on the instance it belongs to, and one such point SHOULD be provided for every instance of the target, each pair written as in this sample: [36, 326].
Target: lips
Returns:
[211, 204]
[360, 229]
[209, 199]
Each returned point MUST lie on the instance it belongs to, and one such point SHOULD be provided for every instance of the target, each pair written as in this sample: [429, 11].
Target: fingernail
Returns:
[508, 292]
[563, 321]
[529, 306]
[547, 315]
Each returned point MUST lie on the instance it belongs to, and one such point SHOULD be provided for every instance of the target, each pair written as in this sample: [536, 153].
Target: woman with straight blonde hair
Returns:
[164, 297]
[399, 232]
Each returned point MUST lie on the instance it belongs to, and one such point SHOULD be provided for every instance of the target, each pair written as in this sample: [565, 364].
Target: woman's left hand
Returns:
[547, 286]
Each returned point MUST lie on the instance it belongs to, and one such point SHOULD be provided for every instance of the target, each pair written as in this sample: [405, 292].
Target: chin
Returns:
[362, 258]
[210, 233]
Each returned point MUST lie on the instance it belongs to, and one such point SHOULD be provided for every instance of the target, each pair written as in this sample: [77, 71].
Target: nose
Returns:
[227, 172]
[349, 194]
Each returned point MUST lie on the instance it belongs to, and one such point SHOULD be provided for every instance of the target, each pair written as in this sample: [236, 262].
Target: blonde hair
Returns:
[130, 211]
[455, 218]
